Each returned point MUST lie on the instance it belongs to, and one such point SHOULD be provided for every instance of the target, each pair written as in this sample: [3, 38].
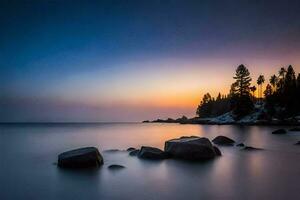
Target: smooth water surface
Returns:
[29, 152]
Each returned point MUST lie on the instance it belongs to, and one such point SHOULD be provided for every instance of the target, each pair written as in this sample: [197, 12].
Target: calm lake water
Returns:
[28, 153]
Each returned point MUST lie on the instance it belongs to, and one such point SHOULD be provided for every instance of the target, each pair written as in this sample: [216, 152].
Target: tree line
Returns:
[280, 99]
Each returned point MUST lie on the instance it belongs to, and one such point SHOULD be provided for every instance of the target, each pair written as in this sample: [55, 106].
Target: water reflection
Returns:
[28, 152]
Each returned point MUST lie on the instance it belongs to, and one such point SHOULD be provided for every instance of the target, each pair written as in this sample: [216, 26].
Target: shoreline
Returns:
[209, 122]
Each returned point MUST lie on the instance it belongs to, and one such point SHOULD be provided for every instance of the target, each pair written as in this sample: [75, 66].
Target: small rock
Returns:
[134, 152]
[295, 129]
[111, 150]
[80, 158]
[279, 131]
[240, 145]
[131, 149]
[115, 167]
[297, 143]
[217, 151]
[223, 140]
[152, 153]
[249, 148]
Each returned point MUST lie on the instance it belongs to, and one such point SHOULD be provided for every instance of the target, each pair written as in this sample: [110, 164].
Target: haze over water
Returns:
[28, 152]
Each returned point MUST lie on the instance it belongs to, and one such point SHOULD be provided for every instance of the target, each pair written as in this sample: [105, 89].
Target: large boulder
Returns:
[152, 153]
[86, 157]
[223, 140]
[279, 131]
[191, 148]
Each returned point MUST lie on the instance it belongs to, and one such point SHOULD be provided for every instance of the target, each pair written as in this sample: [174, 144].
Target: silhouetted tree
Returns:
[268, 90]
[273, 81]
[260, 81]
[240, 96]
[253, 89]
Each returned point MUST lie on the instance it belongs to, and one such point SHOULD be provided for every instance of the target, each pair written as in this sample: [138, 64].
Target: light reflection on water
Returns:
[28, 152]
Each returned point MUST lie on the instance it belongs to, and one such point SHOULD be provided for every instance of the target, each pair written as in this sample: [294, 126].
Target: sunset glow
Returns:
[134, 62]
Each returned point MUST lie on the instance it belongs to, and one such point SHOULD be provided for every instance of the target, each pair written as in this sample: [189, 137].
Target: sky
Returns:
[125, 61]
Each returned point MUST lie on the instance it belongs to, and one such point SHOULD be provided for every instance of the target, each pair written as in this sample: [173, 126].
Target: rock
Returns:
[223, 140]
[297, 143]
[217, 151]
[295, 129]
[240, 145]
[190, 148]
[152, 153]
[249, 148]
[111, 150]
[279, 131]
[131, 149]
[86, 157]
[134, 152]
[115, 167]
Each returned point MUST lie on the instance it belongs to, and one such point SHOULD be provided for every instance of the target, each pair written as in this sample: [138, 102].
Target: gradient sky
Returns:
[135, 60]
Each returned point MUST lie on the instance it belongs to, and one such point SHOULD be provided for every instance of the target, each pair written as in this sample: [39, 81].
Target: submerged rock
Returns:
[152, 153]
[115, 167]
[190, 148]
[279, 131]
[240, 145]
[80, 158]
[134, 152]
[223, 140]
[131, 149]
[111, 150]
[295, 129]
[249, 148]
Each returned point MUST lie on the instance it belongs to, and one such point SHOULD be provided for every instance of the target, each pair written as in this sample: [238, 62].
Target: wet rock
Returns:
[217, 151]
[115, 167]
[134, 152]
[190, 148]
[86, 157]
[111, 150]
[249, 148]
[297, 129]
[279, 131]
[223, 140]
[131, 149]
[240, 145]
[152, 153]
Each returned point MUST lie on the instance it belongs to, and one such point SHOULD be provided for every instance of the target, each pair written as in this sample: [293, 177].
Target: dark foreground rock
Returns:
[223, 140]
[152, 153]
[297, 143]
[297, 129]
[217, 151]
[279, 131]
[249, 148]
[191, 148]
[115, 167]
[80, 158]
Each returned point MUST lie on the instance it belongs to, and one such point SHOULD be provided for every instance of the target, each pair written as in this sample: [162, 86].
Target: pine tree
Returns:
[240, 95]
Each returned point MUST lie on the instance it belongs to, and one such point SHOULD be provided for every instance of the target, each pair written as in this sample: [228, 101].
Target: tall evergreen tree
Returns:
[241, 101]
[273, 81]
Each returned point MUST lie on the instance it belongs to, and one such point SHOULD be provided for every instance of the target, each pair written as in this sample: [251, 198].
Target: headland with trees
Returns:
[276, 103]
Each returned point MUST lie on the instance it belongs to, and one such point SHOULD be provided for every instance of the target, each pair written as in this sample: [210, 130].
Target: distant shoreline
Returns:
[210, 122]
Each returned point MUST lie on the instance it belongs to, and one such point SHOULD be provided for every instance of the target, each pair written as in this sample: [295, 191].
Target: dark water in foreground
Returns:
[29, 151]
